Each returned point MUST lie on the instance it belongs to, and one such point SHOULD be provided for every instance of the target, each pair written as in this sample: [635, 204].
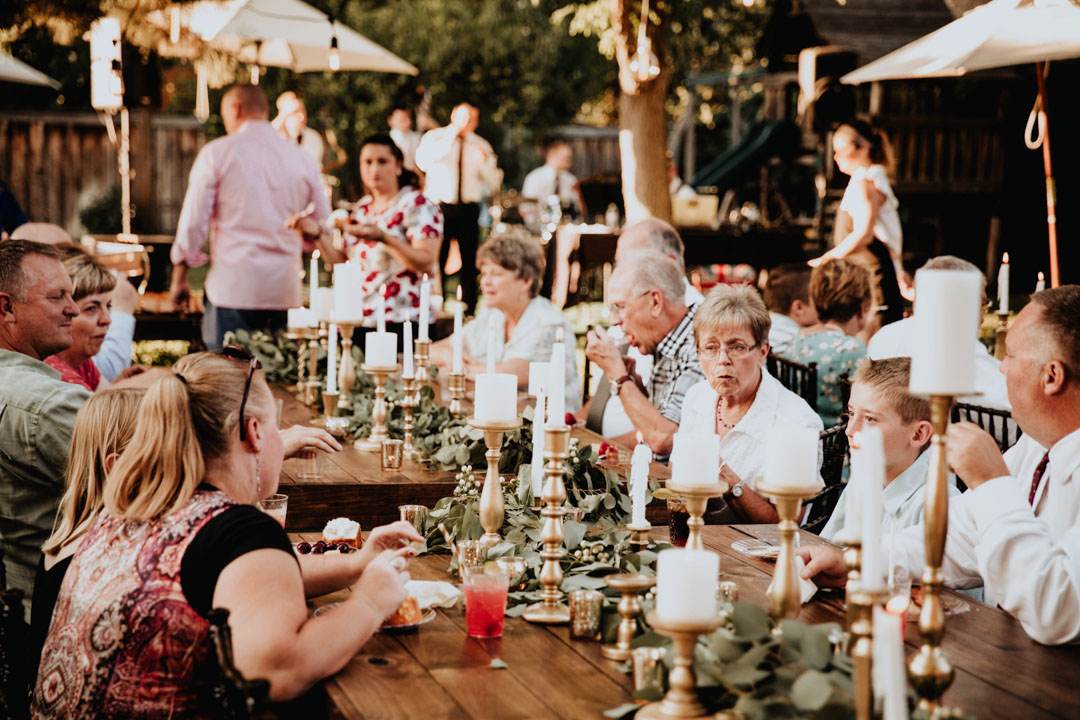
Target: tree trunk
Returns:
[642, 121]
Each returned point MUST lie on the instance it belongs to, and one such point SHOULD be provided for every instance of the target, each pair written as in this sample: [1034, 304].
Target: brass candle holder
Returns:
[311, 387]
[999, 335]
[861, 627]
[853, 563]
[784, 597]
[696, 498]
[373, 443]
[639, 536]
[409, 402]
[630, 585]
[550, 610]
[347, 369]
[929, 670]
[491, 497]
[457, 394]
[330, 402]
[421, 358]
[299, 336]
[681, 700]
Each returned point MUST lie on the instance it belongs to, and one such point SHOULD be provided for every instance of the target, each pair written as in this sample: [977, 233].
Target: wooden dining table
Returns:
[438, 671]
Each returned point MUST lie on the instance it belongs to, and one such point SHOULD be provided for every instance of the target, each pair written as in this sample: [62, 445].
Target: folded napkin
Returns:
[807, 588]
[433, 594]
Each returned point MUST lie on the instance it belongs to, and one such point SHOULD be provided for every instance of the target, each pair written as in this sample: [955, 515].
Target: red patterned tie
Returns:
[1039, 472]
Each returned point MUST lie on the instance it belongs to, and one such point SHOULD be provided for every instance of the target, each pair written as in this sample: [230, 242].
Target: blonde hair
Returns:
[737, 305]
[88, 276]
[840, 289]
[189, 416]
[889, 378]
[103, 427]
[517, 252]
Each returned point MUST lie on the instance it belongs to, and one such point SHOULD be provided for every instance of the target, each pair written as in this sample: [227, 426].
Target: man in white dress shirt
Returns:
[554, 178]
[787, 293]
[461, 168]
[898, 339]
[1017, 529]
[403, 135]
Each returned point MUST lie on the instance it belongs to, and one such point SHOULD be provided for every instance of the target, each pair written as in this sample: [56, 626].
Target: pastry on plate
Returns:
[343, 530]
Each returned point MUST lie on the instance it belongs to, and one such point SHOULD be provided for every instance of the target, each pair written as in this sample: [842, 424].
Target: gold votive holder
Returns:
[456, 385]
[644, 661]
[785, 600]
[391, 454]
[696, 499]
[416, 515]
[550, 610]
[338, 427]
[585, 609]
[491, 497]
[681, 700]
[515, 568]
[470, 552]
[373, 443]
[630, 585]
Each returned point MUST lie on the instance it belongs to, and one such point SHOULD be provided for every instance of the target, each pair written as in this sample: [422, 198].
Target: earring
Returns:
[258, 477]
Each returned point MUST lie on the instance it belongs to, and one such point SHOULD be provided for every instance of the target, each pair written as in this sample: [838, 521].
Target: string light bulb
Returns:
[748, 3]
[644, 64]
[335, 56]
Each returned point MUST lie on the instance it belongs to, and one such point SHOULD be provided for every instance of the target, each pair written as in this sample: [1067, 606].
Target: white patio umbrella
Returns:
[287, 33]
[16, 71]
[997, 34]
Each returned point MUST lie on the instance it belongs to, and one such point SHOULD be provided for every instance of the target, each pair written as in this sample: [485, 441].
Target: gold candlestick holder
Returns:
[373, 442]
[999, 335]
[409, 402]
[347, 369]
[853, 563]
[639, 536]
[457, 394]
[784, 598]
[299, 336]
[311, 387]
[491, 497]
[630, 585]
[551, 610]
[929, 670]
[330, 402]
[421, 358]
[696, 498]
[861, 627]
[681, 700]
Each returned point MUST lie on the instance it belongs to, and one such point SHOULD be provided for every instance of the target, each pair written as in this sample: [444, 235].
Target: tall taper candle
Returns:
[1040, 284]
[556, 389]
[539, 423]
[458, 341]
[425, 308]
[1003, 284]
[407, 352]
[382, 308]
[639, 482]
[313, 277]
[872, 465]
[331, 360]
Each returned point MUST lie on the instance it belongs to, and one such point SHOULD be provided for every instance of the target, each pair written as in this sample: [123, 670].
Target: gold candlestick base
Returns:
[630, 585]
[311, 393]
[457, 394]
[853, 563]
[639, 536]
[784, 599]
[861, 627]
[551, 610]
[408, 402]
[491, 497]
[347, 370]
[373, 443]
[330, 402]
[421, 358]
[681, 700]
[696, 498]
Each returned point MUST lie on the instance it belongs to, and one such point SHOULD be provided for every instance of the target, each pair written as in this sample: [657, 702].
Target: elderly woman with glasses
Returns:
[738, 400]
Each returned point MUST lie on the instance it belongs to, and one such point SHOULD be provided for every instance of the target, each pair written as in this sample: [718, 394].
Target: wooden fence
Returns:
[58, 163]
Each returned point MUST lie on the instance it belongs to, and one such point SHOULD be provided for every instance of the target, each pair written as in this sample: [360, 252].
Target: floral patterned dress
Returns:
[835, 353]
[411, 217]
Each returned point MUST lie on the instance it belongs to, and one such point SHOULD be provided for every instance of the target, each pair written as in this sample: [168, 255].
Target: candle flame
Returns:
[1005, 259]
[559, 335]
[459, 293]
[425, 277]
[315, 255]
[640, 439]
[1042, 278]
[897, 605]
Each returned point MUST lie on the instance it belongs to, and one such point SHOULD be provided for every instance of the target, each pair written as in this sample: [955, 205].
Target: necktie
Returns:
[460, 169]
[1039, 472]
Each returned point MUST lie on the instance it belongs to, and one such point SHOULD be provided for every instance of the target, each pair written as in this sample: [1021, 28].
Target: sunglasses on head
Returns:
[238, 353]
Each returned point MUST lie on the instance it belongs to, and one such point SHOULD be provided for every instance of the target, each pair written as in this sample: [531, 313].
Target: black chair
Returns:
[14, 665]
[799, 379]
[845, 391]
[834, 453]
[998, 423]
[239, 697]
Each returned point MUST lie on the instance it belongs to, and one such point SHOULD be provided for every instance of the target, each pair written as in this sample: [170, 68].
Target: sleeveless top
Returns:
[124, 642]
[887, 229]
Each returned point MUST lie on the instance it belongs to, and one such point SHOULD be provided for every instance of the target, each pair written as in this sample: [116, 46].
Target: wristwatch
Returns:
[616, 385]
[737, 489]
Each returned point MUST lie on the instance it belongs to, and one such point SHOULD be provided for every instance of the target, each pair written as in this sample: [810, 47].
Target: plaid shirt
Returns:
[675, 368]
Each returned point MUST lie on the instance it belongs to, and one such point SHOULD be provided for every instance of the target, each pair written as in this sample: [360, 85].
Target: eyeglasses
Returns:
[617, 310]
[735, 351]
[238, 353]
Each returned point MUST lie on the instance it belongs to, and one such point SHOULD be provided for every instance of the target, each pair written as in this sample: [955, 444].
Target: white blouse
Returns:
[887, 228]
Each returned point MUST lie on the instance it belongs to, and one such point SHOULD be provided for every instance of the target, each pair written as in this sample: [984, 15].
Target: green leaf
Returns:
[741, 675]
[816, 648]
[750, 621]
[573, 533]
[811, 690]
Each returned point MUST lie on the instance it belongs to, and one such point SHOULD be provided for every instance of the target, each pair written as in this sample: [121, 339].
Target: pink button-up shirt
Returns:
[243, 187]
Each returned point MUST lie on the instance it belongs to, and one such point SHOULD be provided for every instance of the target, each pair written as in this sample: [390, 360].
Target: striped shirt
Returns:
[675, 368]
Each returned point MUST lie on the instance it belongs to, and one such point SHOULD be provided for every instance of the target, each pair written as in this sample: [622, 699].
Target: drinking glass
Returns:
[391, 454]
[470, 553]
[310, 464]
[485, 600]
[415, 514]
[275, 506]
[677, 527]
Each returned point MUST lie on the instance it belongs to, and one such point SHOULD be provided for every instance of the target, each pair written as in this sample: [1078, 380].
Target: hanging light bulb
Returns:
[335, 56]
[174, 26]
[644, 64]
[254, 74]
[748, 3]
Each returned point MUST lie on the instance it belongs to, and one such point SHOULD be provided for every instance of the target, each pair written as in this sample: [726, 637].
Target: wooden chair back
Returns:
[998, 423]
[14, 664]
[799, 379]
[239, 697]
[834, 453]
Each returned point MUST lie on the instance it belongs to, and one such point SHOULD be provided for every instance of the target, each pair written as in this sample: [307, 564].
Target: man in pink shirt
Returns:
[242, 189]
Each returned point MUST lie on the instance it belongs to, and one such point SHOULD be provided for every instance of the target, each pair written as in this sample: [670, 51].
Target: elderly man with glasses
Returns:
[647, 303]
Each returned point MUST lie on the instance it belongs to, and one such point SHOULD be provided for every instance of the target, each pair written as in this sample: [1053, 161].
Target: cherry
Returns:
[303, 548]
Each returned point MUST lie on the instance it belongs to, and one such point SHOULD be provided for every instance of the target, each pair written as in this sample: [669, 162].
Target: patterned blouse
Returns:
[835, 353]
[410, 216]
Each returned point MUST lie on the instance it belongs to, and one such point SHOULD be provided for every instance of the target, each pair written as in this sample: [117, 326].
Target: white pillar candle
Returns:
[313, 277]
[425, 308]
[380, 349]
[791, 455]
[556, 387]
[695, 458]
[686, 585]
[331, 360]
[872, 466]
[496, 397]
[1040, 284]
[1003, 284]
[947, 315]
[639, 482]
[538, 445]
[348, 293]
[458, 340]
[407, 352]
[492, 344]
[301, 318]
[889, 675]
[323, 304]
[382, 309]
[852, 503]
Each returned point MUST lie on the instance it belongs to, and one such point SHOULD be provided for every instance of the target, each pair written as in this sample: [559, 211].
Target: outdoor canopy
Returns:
[16, 71]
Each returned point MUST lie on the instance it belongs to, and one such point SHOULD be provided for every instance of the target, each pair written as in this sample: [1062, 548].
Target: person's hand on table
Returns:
[298, 438]
[824, 565]
[382, 585]
[604, 353]
[973, 455]
[395, 536]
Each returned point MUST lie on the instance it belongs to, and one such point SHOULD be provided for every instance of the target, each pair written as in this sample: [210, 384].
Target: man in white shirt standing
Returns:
[554, 178]
[403, 135]
[787, 293]
[461, 169]
[1017, 529]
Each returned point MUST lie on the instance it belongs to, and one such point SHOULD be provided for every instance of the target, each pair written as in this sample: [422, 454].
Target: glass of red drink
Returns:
[677, 527]
[275, 506]
[485, 600]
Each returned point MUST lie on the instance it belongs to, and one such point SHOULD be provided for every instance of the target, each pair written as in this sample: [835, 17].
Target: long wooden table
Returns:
[439, 672]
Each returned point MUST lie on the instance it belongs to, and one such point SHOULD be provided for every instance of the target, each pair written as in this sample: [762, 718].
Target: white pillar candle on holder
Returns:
[889, 669]
[425, 308]
[313, 278]
[556, 386]
[1040, 284]
[492, 344]
[539, 425]
[639, 482]
[323, 304]
[496, 397]
[348, 292]
[301, 318]
[695, 458]
[947, 316]
[1003, 284]
[407, 352]
[458, 340]
[686, 585]
[791, 455]
[382, 309]
[331, 359]
[872, 467]
[380, 349]
[853, 508]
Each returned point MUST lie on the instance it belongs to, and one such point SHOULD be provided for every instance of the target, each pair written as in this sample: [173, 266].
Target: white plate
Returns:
[427, 617]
